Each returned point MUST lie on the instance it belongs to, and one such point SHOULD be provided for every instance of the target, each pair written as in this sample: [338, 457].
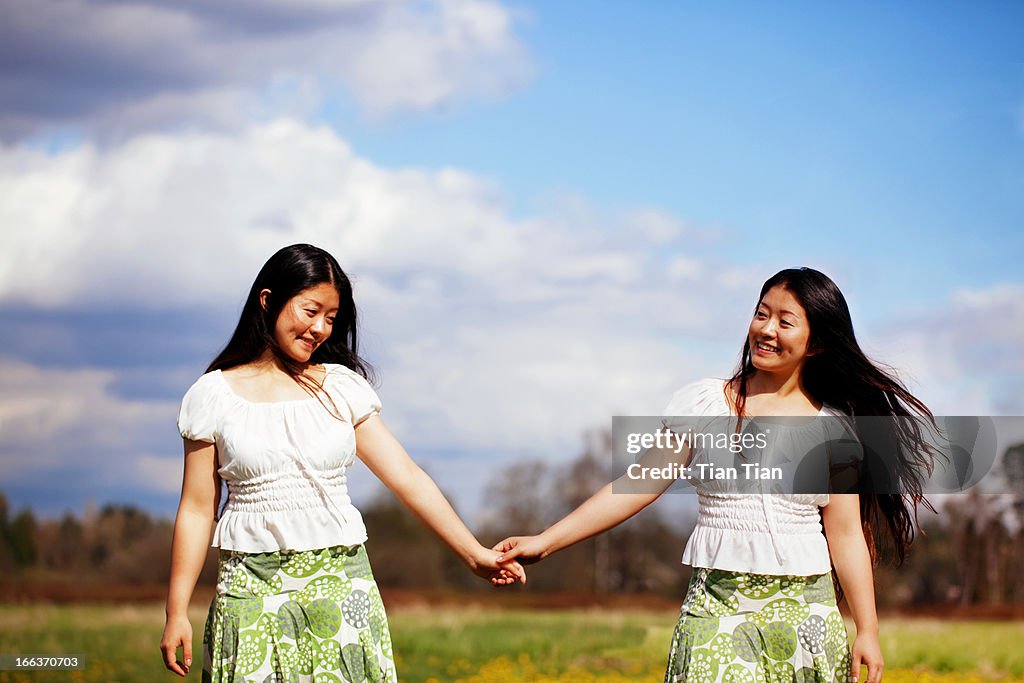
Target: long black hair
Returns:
[840, 375]
[289, 271]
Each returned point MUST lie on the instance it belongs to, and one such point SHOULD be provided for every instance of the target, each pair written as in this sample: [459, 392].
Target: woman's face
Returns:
[779, 333]
[306, 321]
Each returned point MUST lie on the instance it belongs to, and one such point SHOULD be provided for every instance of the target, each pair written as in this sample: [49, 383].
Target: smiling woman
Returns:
[303, 324]
[280, 415]
[299, 312]
[762, 604]
[309, 317]
[778, 333]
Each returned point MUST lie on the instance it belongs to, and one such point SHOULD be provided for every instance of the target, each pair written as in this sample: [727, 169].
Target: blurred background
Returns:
[552, 214]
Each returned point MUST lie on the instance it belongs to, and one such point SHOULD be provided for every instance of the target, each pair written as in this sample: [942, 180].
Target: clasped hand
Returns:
[519, 550]
[500, 571]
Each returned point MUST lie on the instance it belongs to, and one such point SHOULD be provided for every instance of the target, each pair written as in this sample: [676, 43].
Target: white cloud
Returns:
[515, 334]
[156, 473]
[658, 227]
[684, 268]
[496, 336]
[49, 416]
[177, 219]
[128, 66]
[421, 62]
[41, 403]
[963, 357]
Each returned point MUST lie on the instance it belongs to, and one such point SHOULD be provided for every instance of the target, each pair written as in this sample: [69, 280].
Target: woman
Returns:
[279, 416]
[761, 604]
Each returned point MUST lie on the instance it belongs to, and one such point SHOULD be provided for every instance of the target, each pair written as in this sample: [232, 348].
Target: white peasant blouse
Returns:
[285, 463]
[768, 533]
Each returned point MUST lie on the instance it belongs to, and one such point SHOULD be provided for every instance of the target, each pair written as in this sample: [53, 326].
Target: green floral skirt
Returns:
[295, 617]
[755, 628]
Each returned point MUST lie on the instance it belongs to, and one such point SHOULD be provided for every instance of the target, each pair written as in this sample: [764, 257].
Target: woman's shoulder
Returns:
[832, 411]
[206, 384]
[336, 373]
[704, 396]
[207, 391]
[351, 385]
[197, 418]
[354, 389]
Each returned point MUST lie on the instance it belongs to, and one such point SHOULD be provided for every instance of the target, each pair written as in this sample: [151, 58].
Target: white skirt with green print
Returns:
[297, 617]
[756, 628]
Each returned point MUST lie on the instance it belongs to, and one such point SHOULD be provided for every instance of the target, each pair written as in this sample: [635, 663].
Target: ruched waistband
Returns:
[294, 490]
[758, 513]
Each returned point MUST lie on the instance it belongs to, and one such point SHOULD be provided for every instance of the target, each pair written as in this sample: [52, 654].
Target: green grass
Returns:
[447, 644]
[431, 644]
[952, 646]
[119, 643]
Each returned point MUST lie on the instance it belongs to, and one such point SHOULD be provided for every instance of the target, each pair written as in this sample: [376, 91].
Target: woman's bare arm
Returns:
[849, 551]
[609, 507]
[200, 496]
[386, 458]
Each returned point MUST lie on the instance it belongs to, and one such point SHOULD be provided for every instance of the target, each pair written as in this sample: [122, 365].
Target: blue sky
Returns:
[553, 213]
[894, 133]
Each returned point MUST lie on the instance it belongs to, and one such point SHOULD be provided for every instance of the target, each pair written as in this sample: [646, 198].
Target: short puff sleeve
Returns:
[701, 398]
[356, 392]
[845, 452]
[197, 419]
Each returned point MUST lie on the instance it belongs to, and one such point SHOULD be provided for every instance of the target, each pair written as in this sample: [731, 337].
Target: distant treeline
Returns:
[972, 552]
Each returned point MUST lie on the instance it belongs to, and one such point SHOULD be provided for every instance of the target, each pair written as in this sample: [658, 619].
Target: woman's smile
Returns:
[308, 319]
[779, 333]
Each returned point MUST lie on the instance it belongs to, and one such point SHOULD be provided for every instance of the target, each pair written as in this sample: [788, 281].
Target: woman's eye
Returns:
[310, 312]
[330, 321]
[787, 323]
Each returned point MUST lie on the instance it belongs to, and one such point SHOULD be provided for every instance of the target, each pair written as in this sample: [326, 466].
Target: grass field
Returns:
[450, 645]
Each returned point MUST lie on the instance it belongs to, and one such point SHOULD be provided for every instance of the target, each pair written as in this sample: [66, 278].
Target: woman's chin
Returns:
[299, 355]
[764, 364]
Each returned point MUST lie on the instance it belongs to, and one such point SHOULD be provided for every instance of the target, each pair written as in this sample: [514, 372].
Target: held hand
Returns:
[487, 566]
[526, 549]
[507, 577]
[867, 651]
[177, 633]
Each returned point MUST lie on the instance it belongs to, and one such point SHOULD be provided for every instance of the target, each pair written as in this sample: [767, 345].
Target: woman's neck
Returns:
[783, 386]
[269, 362]
[773, 394]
